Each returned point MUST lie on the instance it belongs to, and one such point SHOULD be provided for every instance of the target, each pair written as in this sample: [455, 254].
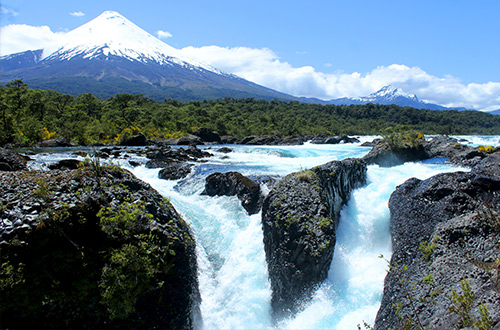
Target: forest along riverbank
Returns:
[232, 270]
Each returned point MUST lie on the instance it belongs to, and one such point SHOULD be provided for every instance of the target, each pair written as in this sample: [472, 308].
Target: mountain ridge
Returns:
[112, 47]
[392, 95]
[110, 54]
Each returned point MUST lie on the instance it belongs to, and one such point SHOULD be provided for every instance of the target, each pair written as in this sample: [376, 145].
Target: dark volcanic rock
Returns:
[57, 142]
[93, 249]
[135, 140]
[65, 164]
[225, 150]
[489, 166]
[330, 139]
[385, 155]
[370, 143]
[10, 161]
[262, 140]
[444, 227]
[207, 135]
[189, 140]
[163, 155]
[459, 154]
[175, 171]
[228, 139]
[441, 146]
[235, 184]
[299, 219]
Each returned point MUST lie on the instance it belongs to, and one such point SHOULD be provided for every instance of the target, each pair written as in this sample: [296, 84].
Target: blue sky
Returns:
[445, 51]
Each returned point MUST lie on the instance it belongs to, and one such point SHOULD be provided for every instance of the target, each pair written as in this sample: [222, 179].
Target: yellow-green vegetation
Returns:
[486, 149]
[403, 140]
[306, 176]
[462, 304]
[124, 220]
[96, 252]
[427, 248]
[132, 270]
[28, 116]
[43, 191]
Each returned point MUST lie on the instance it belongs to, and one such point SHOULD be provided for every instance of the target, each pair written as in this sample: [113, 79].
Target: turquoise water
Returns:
[233, 275]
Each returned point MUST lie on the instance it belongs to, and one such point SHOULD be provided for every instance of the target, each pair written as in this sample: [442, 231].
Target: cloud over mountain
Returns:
[263, 66]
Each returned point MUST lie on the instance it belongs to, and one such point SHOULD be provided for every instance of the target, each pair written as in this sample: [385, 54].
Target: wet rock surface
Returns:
[444, 229]
[135, 140]
[11, 161]
[299, 219]
[164, 155]
[235, 184]
[93, 248]
[441, 146]
[175, 171]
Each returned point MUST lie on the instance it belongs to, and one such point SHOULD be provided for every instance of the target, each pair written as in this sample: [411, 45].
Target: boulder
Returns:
[370, 143]
[235, 184]
[293, 141]
[330, 139]
[189, 140]
[65, 164]
[208, 135]
[299, 220]
[228, 139]
[445, 235]
[386, 155]
[175, 171]
[10, 161]
[163, 155]
[225, 150]
[135, 140]
[489, 166]
[93, 249]
[457, 153]
[262, 140]
[57, 142]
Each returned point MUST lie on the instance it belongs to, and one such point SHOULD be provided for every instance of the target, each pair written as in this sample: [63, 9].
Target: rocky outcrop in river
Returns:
[10, 161]
[93, 248]
[299, 219]
[387, 152]
[235, 184]
[446, 240]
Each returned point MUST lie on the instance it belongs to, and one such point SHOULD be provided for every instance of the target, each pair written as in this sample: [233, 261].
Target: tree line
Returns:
[29, 116]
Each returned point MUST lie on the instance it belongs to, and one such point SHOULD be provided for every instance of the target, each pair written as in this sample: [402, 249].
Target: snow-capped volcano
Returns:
[111, 55]
[390, 95]
[112, 34]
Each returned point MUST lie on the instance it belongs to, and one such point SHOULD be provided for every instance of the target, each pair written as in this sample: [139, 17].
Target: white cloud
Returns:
[163, 34]
[77, 13]
[8, 11]
[21, 37]
[263, 67]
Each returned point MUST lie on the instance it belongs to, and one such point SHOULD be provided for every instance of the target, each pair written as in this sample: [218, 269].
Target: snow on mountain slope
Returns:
[389, 93]
[112, 34]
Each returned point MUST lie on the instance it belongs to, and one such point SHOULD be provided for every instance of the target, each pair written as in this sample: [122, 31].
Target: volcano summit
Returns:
[110, 55]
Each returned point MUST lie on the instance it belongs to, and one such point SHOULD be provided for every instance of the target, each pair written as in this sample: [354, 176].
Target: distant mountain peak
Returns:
[111, 34]
[390, 91]
[387, 94]
[391, 95]
[110, 55]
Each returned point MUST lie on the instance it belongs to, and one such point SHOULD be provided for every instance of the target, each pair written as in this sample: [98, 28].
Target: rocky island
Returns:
[93, 248]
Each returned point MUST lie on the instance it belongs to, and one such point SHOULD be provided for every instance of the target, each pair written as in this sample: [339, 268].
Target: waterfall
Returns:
[233, 278]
